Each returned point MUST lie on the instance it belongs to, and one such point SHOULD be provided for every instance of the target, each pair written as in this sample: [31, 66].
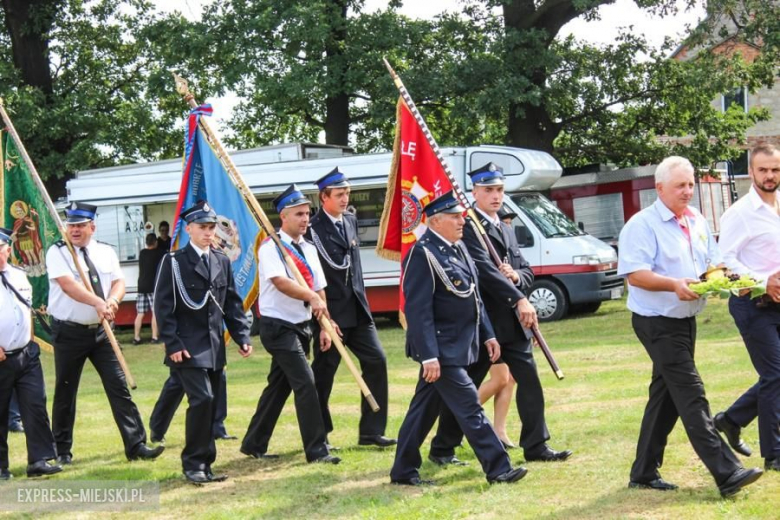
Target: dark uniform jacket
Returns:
[345, 292]
[439, 323]
[500, 294]
[200, 332]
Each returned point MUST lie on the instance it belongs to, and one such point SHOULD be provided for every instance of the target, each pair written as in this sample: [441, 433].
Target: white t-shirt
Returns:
[59, 262]
[273, 303]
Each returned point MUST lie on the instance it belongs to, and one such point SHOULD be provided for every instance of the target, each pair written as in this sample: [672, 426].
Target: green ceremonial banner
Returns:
[24, 211]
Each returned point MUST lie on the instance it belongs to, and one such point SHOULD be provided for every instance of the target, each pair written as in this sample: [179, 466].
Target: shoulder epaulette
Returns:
[60, 243]
[176, 252]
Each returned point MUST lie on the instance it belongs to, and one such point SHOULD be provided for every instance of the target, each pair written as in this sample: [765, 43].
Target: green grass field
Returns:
[595, 411]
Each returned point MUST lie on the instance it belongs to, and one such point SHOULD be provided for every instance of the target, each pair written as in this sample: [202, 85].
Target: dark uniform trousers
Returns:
[363, 341]
[73, 345]
[203, 389]
[290, 372]
[455, 390]
[499, 294]
[22, 371]
[676, 390]
[759, 328]
[170, 398]
[529, 398]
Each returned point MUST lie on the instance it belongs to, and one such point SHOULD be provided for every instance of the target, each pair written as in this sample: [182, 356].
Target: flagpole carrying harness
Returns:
[185, 297]
[344, 266]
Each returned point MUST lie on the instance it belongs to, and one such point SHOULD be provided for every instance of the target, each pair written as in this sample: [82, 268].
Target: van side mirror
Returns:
[581, 226]
[524, 236]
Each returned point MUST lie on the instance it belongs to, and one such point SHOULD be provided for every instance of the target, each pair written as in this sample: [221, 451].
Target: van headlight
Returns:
[586, 260]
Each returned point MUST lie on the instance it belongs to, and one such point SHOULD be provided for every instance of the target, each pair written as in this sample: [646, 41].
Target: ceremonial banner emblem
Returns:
[24, 211]
[238, 234]
[416, 177]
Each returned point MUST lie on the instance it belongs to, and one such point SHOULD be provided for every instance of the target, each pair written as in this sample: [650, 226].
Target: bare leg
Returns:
[499, 375]
[155, 333]
[139, 318]
[501, 404]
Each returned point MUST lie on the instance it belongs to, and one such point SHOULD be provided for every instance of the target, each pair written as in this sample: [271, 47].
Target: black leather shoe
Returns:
[225, 437]
[741, 478]
[16, 427]
[327, 459]
[414, 481]
[548, 455]
[376, 440]
[5, 474]
[658, 484]
[42, 468]
[215, 478]
[197, 477]
[64, 460]
[258, 455]
[513, 475]
[732, 433]
[772, 464]
[144, 452]
[446, 460]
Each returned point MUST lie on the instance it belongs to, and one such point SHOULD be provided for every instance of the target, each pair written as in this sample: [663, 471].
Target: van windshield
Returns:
[546, 216]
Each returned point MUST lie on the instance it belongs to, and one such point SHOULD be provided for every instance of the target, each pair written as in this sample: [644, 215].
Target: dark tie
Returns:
[299, 249]
[459, 252]
[205, 258]
[94, 279]
[11, 288]
[300, 252]
[342, 231]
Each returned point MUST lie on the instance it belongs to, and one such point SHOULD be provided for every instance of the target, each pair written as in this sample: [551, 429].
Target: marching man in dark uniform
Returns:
[78, 335]
[20, 369]
[334, 232]
[503, 289]
[286, 309]
[195, 298]
[447, 323]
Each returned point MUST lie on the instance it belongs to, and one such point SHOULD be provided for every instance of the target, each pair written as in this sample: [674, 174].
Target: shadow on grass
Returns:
[624, 502]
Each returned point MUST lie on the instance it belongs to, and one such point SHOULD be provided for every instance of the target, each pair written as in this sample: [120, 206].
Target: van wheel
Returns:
[549, 300]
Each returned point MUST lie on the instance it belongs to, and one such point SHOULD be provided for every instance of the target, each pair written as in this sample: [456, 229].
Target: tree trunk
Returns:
[337, 119]
[529, 125]
[28, 23]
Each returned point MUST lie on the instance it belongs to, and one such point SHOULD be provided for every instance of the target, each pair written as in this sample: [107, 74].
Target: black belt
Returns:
[74, 325]
[9, 353]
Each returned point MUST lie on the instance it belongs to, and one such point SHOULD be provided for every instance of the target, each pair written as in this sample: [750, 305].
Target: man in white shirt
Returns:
[286, 310]
[78, 335]
[20, 369]
[750, 241]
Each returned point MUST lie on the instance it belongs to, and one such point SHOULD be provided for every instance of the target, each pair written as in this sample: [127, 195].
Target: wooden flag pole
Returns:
[63, 232]
[235, 176]
[464, 201]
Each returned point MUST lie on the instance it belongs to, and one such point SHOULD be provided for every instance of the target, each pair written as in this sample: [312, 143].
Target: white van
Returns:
[572, 268]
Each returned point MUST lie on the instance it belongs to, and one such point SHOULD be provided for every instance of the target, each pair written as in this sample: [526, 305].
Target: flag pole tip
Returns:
[181, 84]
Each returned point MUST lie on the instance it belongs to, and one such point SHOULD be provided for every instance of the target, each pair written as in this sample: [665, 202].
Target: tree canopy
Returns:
[88, 85]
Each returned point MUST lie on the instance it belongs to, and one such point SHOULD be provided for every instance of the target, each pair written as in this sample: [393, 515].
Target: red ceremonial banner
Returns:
[416, 178]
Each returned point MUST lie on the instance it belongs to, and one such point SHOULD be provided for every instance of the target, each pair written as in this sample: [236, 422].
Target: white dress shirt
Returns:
[272, 302]
[750, 237]
[59, 262]
[15, 318]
